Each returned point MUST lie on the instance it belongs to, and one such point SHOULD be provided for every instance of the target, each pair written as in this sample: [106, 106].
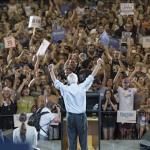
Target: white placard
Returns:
[126, 116]
[43, 47]
[35, 22]
[146, 42]
[125, 36]
[9, 42]
[17, 123]
[127, 8]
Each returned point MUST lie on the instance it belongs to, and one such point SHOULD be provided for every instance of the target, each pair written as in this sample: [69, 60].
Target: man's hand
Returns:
[50, 67]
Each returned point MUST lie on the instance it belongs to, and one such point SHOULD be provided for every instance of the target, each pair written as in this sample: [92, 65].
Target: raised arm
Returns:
[116, 79]
[52, 74]
[97, 67]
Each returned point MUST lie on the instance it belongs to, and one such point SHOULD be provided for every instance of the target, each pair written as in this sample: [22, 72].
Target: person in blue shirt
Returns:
[74, 96]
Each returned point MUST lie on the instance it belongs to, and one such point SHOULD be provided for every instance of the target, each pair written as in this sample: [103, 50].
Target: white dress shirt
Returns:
[74, 95]
[31, 136]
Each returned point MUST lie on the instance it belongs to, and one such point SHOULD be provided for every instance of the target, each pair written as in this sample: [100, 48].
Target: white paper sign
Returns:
[127, 8]
[125, 36]
[126, 116]
[9, 42]
[43, 47]
[17, 123]
[146, 42]
[35, 22]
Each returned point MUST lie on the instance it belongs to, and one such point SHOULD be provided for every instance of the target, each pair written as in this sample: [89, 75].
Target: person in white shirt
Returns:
[46, 118]
[25, 134]
[126, 96]
[125, 93]
[74, 96]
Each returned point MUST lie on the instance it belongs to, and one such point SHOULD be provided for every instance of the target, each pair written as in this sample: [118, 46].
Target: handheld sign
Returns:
[125, 36]
[58, 35]
[104, 38]
[9, 42]
[126, 116]
[42, 49]
[146, 42]
[114, 43]
[35, 22]
[127, 8]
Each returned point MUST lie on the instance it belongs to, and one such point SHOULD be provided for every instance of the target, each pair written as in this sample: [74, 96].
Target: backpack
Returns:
[34, 119]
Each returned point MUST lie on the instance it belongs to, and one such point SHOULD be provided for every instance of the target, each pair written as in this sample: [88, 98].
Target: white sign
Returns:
[9, 42]
[125, 36]
[126, 116]
[17, 123]
[42, 49]
[35, 22]
[146, 42]
[127, 8]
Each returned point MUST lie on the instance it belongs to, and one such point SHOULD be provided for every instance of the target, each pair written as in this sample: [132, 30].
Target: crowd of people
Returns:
[80, 32]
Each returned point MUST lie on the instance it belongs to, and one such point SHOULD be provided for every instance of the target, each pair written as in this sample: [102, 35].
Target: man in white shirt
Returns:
[125, 93]
[74, 96]
[126, 96]
[46, 117]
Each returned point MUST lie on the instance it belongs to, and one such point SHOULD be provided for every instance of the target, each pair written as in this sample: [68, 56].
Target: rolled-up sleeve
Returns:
[60, 86]
[88, 82]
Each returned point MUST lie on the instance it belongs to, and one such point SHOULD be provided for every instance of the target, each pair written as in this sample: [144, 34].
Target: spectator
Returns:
[46, 118]
[109, 107]
[25, 134]
[7, 109]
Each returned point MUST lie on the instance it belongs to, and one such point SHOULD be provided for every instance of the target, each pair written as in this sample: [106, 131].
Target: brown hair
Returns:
[112, 96]
[23, 129]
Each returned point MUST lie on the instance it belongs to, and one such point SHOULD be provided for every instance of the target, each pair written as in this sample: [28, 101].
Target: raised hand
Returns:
[50, 67]
[100, 61]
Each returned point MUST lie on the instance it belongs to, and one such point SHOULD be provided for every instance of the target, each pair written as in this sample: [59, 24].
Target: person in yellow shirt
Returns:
[25, 102]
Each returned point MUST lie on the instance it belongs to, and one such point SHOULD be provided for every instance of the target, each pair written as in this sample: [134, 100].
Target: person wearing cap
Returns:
[74, 96]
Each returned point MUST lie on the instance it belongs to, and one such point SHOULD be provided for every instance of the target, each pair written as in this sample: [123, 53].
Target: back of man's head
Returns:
[72, 78]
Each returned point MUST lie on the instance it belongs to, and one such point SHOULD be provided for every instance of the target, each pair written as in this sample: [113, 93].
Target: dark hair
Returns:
[22, 119]
[112, 96]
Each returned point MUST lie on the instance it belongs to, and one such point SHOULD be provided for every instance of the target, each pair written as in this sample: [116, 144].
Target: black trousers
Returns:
[77, 126]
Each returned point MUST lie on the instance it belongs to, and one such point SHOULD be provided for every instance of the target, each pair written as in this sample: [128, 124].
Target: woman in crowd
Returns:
[109, 107]
[25, 134]
[144, 117]
[8, 107]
